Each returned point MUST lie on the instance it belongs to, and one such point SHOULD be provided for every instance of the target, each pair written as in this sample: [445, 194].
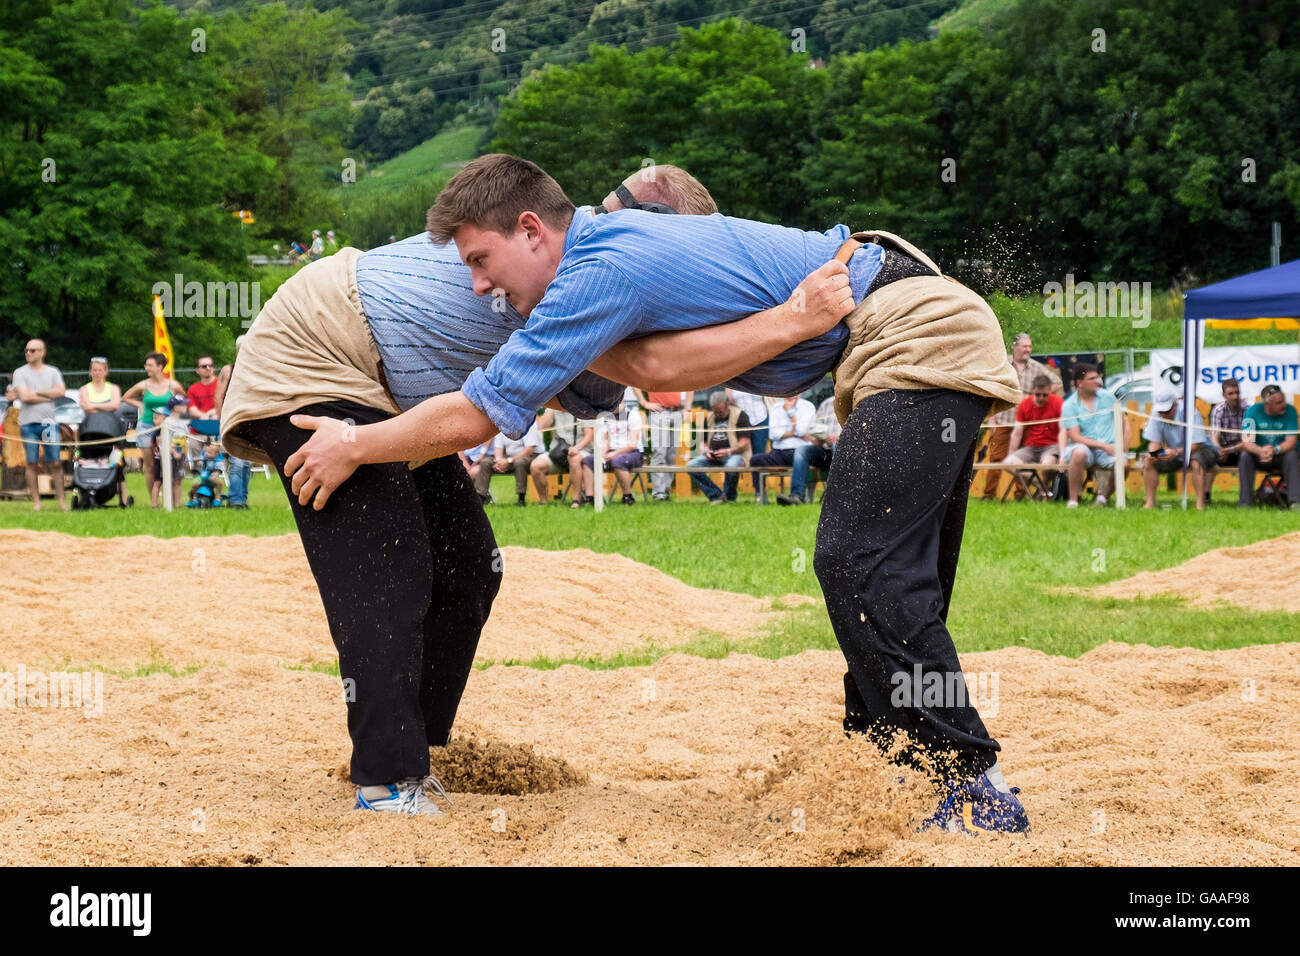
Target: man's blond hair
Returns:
[674, 187]
[492, 192]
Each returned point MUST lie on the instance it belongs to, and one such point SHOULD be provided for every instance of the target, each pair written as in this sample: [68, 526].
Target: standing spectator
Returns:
[317, 246]
[36, 386]
[1225, 424]
[99, 394]
[331, 243]
[238, 470]
[173, 439]
[203, 405]
[818, 452]
[789, 425]
[1027, 369]
[755, 409]
[625, 441]
[202, 394]
[1166, 441]
[665, 410]
[1035, 441]
[563, 455]
[728, 444]
[151, 395]
[510, 454]
[1089, 422]
[1266, 449]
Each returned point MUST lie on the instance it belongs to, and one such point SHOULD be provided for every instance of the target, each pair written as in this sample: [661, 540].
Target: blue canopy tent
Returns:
[1265, 299]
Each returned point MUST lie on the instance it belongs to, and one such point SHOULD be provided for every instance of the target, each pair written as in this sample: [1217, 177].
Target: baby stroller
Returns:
[97, 474]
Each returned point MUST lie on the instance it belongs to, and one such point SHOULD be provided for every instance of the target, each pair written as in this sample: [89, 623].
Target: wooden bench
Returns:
[815, 475]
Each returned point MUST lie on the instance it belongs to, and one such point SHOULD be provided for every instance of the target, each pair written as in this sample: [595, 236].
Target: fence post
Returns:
[1121, 454]
[164, 448]
[598, 462]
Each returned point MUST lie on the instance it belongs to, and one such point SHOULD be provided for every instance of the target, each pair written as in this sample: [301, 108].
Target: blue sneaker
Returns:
[405, 796]
[979, 807]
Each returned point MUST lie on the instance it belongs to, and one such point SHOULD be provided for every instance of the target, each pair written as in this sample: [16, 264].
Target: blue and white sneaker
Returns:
[409, 796]
[980, 806]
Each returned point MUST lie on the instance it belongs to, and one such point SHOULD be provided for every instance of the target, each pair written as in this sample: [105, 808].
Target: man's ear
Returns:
[531, 225]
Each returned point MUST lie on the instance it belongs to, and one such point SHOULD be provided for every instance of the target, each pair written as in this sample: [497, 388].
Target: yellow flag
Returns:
[161, 340]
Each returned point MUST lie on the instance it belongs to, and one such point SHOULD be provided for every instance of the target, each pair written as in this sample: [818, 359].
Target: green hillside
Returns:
[436, 158]
[973, 13]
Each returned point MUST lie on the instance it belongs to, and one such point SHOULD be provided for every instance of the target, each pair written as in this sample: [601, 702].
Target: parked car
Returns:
[1132, 386]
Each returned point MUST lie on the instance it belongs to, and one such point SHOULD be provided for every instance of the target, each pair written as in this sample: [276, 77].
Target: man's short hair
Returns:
[1041, 381]
[1268, 391]
[718, 398]
[674, 187]
[492, 192]
[1019, 337]
[1232, 382]
[1081, 371]
[157, 357]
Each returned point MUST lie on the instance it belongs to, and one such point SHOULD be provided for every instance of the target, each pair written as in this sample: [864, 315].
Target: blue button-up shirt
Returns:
[432, 330]
[632, 273]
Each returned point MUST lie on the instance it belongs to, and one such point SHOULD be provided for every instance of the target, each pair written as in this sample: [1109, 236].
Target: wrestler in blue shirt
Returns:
[602, 294]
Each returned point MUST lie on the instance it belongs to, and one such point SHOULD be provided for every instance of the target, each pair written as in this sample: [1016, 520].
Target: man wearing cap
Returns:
[1167, 435]
[919, 364]
[1269, 445]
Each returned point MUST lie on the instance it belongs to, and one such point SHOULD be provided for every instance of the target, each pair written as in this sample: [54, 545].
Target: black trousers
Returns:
[407, 567]
[887, 549]
[1286, 465]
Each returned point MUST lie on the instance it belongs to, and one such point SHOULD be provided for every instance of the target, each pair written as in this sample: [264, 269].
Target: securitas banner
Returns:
[1254, 366]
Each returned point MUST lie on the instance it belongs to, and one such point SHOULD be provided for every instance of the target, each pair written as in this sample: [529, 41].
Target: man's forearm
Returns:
[699, 358]
[438, 426]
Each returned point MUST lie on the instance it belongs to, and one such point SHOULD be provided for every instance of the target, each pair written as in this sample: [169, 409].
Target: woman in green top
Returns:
[150, 395]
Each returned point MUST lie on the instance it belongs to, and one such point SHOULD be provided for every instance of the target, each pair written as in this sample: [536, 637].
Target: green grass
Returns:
[1016, 558]
[437, 157]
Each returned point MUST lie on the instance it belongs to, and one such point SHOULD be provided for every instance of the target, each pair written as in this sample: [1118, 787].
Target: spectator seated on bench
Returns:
[1167, 441]
[727, 444]
[472, 459]
[625, 443]
[817, 452]
[563, 455]
[1034, 440]
[1088, 420]
[1266, 449]
[509, 454]
[789, 423]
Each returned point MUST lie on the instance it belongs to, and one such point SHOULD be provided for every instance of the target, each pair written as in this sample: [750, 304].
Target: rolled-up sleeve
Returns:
[588, 307]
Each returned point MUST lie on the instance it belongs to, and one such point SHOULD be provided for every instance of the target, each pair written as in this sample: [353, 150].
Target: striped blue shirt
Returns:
[632, 273]
[432, 331]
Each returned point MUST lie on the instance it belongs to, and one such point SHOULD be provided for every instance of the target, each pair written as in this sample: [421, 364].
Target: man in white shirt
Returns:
[788, 426]
[624, 445]
[510, 454]
[816, 453]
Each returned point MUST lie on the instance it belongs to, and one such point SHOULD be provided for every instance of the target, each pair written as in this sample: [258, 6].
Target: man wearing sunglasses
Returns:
[37, 386]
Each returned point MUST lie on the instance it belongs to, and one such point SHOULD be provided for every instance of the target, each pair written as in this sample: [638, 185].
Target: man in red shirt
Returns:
[203, 404]
[666, 412]
[1033, 440]
[202, 394]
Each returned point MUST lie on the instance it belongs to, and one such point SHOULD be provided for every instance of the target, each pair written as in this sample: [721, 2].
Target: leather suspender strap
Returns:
[846, 251]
